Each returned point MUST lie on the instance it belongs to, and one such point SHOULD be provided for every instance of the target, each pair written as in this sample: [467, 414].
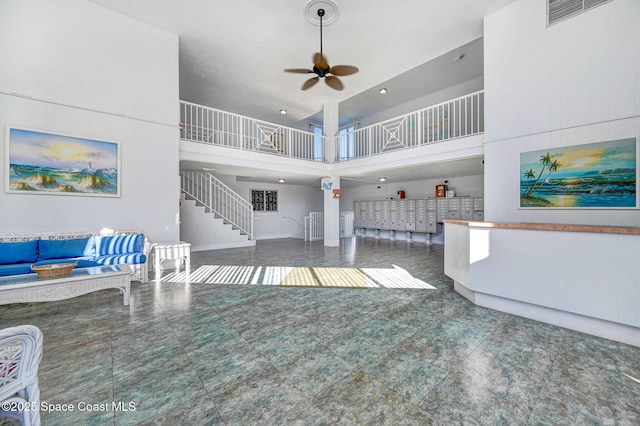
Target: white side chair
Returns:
[20, 354]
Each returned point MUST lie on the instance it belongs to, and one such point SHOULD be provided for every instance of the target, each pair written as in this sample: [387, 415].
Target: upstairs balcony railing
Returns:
[449, 120]
[460, 117]
[221, 128]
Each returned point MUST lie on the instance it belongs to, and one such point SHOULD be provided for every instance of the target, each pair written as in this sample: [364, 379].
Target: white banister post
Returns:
[211, 193]
[241, 141]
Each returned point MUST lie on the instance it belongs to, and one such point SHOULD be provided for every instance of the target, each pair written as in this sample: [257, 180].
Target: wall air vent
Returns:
[559, 10]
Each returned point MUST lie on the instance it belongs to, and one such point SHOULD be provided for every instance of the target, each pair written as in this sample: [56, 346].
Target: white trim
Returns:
[248, 243]
[594, 326]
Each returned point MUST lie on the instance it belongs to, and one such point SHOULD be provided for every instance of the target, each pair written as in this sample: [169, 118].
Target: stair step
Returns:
[217, 183]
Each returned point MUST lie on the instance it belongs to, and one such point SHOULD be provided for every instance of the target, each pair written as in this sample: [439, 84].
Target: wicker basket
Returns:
[53, 271]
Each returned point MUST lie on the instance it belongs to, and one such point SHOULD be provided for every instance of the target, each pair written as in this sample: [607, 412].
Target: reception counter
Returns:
[581, 277]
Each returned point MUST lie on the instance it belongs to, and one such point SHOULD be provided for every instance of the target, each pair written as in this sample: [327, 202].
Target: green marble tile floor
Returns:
[193, 353]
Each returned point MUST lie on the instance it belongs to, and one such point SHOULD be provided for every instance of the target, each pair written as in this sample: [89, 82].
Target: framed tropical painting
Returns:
[46, 163]
[601, 175]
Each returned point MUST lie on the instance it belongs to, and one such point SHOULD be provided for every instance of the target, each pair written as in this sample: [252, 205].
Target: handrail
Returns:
[293, 220]
[455, 118]
[202, 124]
[452, 119]
[220, 199]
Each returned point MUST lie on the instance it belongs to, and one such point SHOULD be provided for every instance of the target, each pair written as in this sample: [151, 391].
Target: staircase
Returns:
[212, 214]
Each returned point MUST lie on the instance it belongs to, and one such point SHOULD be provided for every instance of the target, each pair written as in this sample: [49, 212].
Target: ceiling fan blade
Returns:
[320, 61]
[343, 70]
[309, 83]
[299, 70]
[334, 82]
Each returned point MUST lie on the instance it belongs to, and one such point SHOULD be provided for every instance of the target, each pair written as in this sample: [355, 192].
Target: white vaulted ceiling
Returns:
[233, 52]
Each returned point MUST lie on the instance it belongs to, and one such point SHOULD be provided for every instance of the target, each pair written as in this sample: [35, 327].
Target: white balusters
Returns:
[449, 120]
[219, 199]
[438, 123]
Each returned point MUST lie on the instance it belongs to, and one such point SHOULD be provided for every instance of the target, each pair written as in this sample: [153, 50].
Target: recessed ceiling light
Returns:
[283, 111]
[383, 91]
[281, 180]
[382, 179]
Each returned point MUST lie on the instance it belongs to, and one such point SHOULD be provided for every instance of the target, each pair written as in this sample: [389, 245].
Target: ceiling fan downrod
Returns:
[321, 67]
[320, 14]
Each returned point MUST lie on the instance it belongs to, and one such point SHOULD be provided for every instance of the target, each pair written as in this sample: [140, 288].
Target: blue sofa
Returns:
[16, 257]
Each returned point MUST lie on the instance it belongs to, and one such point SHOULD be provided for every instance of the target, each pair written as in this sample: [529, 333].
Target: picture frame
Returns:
[39, 162]
[601, 175]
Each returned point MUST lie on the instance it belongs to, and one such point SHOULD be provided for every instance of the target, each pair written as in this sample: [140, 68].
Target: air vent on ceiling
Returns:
[559, 10]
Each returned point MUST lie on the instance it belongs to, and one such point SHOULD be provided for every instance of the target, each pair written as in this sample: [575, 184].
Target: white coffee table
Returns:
[31, 288]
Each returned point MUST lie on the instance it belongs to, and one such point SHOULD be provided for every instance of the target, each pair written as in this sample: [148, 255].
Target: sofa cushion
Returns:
[83, 261]
[15, 269]
[116, 259]
[22, 252]
[119, 244]
[60, 249]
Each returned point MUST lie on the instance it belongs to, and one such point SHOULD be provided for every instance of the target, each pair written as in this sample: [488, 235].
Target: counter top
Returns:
[549, 227]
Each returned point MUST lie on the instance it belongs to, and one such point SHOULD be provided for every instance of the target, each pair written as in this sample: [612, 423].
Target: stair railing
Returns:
[218, 198]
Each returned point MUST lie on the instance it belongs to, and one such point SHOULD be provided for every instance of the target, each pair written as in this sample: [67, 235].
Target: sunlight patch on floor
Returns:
[394, 278]
[290, 276]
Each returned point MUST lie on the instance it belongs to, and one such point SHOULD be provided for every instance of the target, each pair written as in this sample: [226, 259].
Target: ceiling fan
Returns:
[322, 69]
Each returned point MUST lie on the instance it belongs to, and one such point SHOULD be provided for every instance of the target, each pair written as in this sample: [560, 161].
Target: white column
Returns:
[331, 204]
[330, 127]
[331, 212]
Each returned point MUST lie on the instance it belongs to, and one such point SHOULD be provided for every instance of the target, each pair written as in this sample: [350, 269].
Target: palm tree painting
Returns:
[597, 175]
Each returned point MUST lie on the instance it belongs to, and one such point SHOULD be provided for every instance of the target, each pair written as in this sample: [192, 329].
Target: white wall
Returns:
[573, 83]
[471, 186]
[76, 68]
[294, 203]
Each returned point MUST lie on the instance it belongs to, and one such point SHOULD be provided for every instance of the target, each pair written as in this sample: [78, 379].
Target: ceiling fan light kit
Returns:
[321, 66]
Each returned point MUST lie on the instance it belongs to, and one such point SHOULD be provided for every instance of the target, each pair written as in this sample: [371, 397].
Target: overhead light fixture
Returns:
[283, 111]
[382, 179]
[383, 91]
[281, 180]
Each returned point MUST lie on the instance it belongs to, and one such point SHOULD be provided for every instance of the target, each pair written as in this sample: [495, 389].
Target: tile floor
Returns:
[198, 354]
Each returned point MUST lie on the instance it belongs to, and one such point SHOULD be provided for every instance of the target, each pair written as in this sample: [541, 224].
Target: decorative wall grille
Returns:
[264, 200]
[559, 10]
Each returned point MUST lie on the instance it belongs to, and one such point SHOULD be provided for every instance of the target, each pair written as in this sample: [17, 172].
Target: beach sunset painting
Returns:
[596, 175]
[48, 163]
